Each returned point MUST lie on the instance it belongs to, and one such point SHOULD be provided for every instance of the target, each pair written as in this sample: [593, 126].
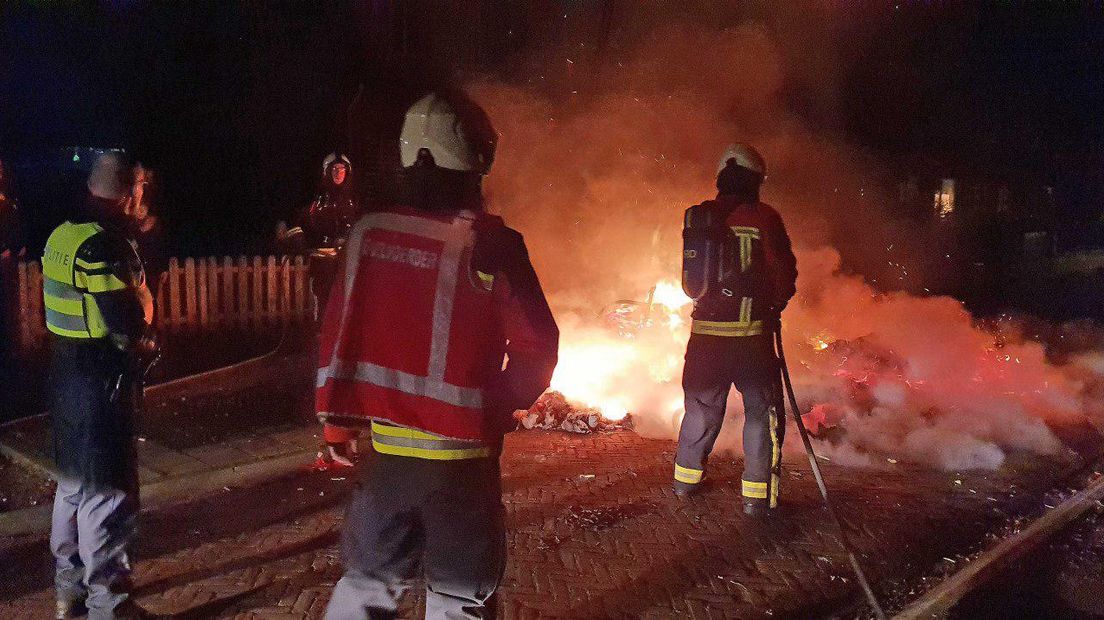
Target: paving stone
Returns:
[217, 456]
[167, 461]
[301, 437]
[261, 446]
[618, 545]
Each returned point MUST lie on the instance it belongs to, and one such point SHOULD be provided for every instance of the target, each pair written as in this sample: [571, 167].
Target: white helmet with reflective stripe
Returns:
[335, 158]
[456, 143]
[746, 157]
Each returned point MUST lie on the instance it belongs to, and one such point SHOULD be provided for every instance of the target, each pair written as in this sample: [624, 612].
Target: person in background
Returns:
[323, 230]
[148, 233]
[99, 314]
[327, 221]
[335, 207]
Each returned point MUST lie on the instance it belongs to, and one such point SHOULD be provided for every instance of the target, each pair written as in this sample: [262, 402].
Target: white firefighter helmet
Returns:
[456, 143]
[105, 180]
[336, 158]
[746, 157]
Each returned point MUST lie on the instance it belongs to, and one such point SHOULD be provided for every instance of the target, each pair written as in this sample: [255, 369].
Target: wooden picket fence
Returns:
[204, 294]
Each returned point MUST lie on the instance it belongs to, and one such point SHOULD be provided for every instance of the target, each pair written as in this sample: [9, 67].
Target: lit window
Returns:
[945, 198]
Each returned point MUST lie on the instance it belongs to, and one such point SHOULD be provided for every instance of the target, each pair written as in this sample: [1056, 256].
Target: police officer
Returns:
[98, 312]
[432, 296]
[740, 269]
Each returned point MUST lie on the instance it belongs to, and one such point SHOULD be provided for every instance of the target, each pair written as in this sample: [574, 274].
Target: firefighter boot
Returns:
[758, 509]
[684, 490]
[688, 482]
[65, 608]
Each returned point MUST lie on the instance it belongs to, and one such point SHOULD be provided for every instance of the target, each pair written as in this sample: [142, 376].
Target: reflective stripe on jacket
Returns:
[401, 441]
[416, 331]
[70, 283]
[763, 272]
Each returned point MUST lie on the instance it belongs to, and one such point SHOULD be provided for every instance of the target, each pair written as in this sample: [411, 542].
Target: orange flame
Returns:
[597, 366]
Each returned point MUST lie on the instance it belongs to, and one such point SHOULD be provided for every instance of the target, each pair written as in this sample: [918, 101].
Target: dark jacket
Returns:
[764, 267]
[94, 385]
[326, 221]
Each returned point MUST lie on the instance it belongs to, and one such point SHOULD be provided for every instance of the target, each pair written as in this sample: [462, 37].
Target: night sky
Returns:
[236, 103]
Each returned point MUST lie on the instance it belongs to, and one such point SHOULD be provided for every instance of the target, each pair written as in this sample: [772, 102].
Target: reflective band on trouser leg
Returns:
[754, 490]
[688, 475]
[776, 455]
[402, 441]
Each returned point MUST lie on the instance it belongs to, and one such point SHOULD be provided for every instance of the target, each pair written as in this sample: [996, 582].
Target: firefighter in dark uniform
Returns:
[326, 223]
[98, 312]
[433, 295]
[325, 227]
[739, 267]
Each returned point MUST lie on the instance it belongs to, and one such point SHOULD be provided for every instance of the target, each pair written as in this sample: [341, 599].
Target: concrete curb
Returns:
[163, 492]
[28, 461]
[246, 373]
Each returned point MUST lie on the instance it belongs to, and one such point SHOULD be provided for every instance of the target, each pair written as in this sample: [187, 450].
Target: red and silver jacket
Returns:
[422, 314]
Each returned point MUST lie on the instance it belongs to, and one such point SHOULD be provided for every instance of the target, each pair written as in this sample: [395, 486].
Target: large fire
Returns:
[638, 337]
[598, 182]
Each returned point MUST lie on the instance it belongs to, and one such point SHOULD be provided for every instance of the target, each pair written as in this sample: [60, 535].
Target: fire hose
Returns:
[844, 540]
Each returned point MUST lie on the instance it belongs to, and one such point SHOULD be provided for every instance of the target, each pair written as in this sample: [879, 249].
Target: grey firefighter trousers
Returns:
[713, 365]
[407, 513]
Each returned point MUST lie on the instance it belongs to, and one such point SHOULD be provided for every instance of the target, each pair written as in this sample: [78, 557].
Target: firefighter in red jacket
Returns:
[740, 269]
[429, 299]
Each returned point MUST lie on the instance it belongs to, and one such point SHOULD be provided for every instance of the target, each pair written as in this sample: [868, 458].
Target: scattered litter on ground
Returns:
[553, 412]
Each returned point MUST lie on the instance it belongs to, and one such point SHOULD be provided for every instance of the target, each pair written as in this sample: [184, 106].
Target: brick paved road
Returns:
[594, 532]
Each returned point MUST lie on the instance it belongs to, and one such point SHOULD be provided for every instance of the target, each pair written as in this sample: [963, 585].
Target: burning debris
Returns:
[553, 412]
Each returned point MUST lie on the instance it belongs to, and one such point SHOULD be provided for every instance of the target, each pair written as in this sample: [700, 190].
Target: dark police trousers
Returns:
[409, 513]
[713, 365]
[93, 396]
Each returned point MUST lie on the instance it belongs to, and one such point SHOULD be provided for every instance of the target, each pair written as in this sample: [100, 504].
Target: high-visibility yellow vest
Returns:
[69, 283]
